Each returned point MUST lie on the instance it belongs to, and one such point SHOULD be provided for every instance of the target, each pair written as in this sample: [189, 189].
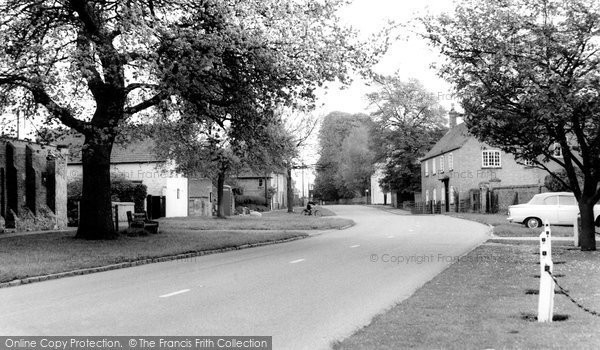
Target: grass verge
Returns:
[48, 253]
[503, 228]
[482, 302]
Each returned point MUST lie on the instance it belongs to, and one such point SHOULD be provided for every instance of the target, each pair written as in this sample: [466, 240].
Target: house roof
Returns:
[455, 138]
[139, 151]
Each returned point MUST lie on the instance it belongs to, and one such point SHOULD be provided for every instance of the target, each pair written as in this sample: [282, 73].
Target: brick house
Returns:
[33, 185]
[463, 174]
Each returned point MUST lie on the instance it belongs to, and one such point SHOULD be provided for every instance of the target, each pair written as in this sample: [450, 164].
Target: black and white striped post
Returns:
[546, 296]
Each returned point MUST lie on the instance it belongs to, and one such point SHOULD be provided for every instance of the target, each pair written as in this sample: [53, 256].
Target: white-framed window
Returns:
[450, 162]
[441, 164]
[451, 194]
[490, 159]
[426, 168]
[443, 194]
[427, 196]
[433, 166]
[434, 195]
[527, 162]
[557, 150]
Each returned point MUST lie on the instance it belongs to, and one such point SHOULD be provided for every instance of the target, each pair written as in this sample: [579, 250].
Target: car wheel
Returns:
[533, 222]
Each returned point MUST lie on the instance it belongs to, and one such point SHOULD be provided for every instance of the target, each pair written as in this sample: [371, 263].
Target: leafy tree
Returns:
[409, 120]
[356, 160]
[336, 127]
[94, 65]
[527, 73]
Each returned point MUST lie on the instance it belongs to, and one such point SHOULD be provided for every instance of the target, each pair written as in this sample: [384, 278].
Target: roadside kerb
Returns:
[165, 258]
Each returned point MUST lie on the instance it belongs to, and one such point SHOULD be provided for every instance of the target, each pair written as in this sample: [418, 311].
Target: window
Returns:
[178, 191]
[427, 196]
[260, 182]
[552, 200]
[443, 195]
[441, 164]
[450, 162]
[557, 150]
[426, 168]
[451, 194]
[527, 163]
[566, 200]
[433, 166]
[490, 159]
[434, 195]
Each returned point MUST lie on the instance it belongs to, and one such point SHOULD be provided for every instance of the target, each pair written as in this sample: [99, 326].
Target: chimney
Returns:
[452, 115]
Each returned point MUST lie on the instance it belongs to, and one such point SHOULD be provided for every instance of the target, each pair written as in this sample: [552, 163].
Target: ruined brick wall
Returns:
[32, 185]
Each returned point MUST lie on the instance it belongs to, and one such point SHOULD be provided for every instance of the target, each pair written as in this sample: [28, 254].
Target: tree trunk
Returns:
[96, 219]
[587, 234]
[220, 185]
[290, 191]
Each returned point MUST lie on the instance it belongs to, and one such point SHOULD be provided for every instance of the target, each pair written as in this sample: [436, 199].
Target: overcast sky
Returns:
[411, 57]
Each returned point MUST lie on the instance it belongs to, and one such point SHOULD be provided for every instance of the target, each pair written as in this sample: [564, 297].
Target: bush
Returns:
[248, 200]
[122, 190]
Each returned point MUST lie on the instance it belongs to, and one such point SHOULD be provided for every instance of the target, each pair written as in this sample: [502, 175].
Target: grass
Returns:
[481, 302]
[503, 228]
[41, 254]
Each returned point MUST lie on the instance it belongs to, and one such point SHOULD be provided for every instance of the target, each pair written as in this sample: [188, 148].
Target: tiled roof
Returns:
[133, 152]
[455, 138]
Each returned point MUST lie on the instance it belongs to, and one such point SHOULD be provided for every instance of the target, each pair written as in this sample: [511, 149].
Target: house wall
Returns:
[376, 193]
[279, 183]
[468, 174]
[176, 194]
[200, 195]
[159, 180]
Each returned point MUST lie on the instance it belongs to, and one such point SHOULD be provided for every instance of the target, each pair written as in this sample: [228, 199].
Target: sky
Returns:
[411, 58]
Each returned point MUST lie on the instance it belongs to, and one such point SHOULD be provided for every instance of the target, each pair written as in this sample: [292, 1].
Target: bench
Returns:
[140, 221]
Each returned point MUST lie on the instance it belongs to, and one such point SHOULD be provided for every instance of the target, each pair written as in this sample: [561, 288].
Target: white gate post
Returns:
[546, 296]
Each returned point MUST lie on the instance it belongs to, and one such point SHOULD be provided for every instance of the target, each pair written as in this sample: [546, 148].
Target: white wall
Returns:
[177, 204]
[377, 196]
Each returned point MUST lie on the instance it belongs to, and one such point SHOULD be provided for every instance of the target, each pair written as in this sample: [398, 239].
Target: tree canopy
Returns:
[409, 120]
[95, 65]
[527, 74]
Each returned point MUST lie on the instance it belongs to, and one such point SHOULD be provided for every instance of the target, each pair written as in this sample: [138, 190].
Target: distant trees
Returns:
[408, 121]
[527, 74]
[345, 158]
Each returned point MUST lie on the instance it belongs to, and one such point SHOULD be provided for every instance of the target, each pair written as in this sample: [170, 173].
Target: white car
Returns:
[559, 208]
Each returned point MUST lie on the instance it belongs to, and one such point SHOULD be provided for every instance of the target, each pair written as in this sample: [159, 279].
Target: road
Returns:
[306, 293]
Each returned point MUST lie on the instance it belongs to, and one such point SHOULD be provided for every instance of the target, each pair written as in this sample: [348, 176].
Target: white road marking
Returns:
[296, 261]
[174, 293]
[355, 246]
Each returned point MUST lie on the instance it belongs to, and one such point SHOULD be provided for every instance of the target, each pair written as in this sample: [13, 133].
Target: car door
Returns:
[549, 210]
[567, 209]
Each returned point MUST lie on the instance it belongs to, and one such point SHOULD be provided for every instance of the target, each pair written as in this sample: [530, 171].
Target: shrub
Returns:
[247, 200]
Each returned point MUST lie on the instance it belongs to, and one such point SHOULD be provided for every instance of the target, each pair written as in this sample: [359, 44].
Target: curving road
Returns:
[306, 293]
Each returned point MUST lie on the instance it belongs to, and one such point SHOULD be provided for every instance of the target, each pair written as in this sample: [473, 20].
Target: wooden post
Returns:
[576, 230]
[546, 296]
[117, 218]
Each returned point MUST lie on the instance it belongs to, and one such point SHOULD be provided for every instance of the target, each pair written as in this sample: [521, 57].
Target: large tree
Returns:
[94, 65]
[408, 122]
[527, 73]
[336, 128]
